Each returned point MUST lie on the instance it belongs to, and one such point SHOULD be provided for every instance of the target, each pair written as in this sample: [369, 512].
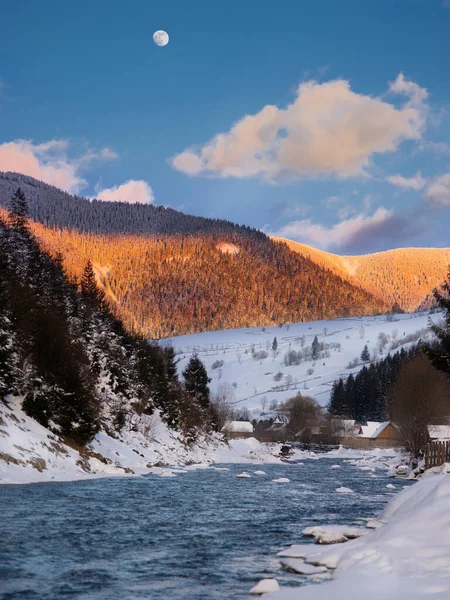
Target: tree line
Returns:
[410, 388]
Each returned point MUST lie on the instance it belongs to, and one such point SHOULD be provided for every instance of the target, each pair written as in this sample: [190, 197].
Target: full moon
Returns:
[161, 37]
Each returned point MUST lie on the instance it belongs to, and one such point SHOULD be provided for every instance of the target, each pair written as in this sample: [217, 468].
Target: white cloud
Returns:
[438, 192]
[50, 162]
[133, 191]
[417, 182]
[344, 234]
[327, 130]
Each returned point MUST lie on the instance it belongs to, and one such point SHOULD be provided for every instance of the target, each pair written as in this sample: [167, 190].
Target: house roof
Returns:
[381, 427]
[238, 427]
[439, 432]
[367, 431]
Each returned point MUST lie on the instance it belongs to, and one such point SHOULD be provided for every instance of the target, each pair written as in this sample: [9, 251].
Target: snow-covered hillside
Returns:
[31, 453]
[236, 358]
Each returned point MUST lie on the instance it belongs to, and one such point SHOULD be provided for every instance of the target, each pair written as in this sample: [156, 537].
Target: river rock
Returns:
[265, 586]
[300, 567]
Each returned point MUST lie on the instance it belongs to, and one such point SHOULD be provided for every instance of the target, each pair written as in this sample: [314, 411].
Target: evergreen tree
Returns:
[6, 333]
[18, 216]
[365, 354]
[338, 406]
[196, 383]
[90, 289]
[275, 344]
[440, 355]
[315, 348]
[349, 390]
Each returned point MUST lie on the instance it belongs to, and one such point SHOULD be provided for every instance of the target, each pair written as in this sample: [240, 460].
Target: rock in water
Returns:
[330, 538]
[294, 551]
[299, 566]
[265, 586]
[344, 490]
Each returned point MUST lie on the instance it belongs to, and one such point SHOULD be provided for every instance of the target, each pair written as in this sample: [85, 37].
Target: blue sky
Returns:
[327, 122]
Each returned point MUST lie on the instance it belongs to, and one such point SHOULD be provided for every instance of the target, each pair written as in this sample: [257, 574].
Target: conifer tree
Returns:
[90, 289]
[6, 333]
[196, 383]
[315, 348]
[18, 216]
[338, 405]
[440, 355]
[275, 344]
[365, 354]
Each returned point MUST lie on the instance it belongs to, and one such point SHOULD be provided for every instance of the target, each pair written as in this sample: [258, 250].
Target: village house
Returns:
[277, 430]
[235, 430]
[373, 435]
[439, 433]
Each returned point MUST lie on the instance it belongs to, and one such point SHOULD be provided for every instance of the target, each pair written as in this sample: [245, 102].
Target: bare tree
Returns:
[304, 415]
[222, 402]
[419, 396]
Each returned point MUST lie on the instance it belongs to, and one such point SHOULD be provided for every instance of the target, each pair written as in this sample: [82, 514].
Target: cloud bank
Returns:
[132, 191]
[49, 162]
[328, 130]
[349, 235]
[438, 192]
[408, 183]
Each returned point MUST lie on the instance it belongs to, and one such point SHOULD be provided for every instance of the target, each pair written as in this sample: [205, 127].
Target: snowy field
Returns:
[235, 359]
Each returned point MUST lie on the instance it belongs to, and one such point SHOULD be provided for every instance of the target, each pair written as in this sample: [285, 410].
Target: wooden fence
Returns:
[437, 453]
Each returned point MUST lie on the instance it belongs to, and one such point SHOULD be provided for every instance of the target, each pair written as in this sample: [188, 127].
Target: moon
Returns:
[161, 37]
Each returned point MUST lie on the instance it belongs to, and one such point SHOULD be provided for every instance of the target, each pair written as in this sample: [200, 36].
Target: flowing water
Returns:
[204, 534]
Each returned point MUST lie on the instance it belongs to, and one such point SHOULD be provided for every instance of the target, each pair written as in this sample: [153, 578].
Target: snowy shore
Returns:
[30, 453]
[406, 557]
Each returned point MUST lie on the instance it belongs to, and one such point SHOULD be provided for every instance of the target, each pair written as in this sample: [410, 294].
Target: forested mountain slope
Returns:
[165, 273]
[406, 276]
[57, 209]
[69, 359]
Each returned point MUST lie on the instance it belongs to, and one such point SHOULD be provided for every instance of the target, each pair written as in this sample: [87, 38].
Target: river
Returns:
[203, 534]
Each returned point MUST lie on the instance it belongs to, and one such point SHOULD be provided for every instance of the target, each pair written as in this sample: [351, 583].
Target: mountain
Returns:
[406, 276]
[165, 273]
[70, 361]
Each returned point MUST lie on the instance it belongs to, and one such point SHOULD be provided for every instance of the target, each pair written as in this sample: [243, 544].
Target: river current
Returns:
[204, 534]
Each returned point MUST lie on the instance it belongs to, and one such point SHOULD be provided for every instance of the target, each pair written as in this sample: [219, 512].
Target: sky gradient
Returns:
[325, 122]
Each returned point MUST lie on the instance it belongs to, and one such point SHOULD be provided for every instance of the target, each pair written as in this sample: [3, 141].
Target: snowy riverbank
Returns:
[30, 453]
[406, 557]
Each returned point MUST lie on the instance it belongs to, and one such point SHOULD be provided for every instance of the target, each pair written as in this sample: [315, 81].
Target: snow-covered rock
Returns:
[348, 531]
[281, 480]
[243, 475]
[331, 537]
[344, 490]
[301, 567]
[265, 586]
[294, 551]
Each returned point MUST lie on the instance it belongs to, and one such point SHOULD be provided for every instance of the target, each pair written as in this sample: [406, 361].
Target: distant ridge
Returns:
[405, 276]
[166, 273]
